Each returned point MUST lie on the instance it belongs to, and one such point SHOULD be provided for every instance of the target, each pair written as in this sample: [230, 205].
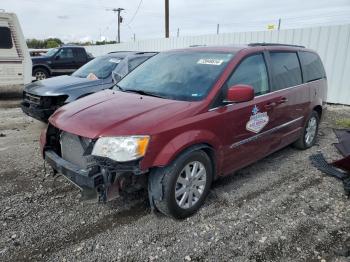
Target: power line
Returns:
[137, 9]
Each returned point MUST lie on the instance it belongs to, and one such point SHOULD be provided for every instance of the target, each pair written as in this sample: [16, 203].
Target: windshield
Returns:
[100, 67]
[51, 52]
[186, 76]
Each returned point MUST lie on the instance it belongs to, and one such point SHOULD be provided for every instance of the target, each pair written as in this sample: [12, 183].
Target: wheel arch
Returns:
[319, 110]
[188, 142]
[42, 66]
[207, 148]
[158, 174]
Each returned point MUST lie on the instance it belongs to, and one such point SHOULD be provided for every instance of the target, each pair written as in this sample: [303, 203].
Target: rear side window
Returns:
[79, 54]
[285, 69]
[5, 38]
[312, 66]
[252, 71]
[66, 53]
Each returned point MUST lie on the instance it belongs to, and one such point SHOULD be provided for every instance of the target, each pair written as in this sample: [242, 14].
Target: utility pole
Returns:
[279, 24]
[120, 20]
[166, 18]
[178, 32]
[217, 29]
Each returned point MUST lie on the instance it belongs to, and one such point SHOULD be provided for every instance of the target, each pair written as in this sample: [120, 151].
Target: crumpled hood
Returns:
[114, 113]
[59, 85]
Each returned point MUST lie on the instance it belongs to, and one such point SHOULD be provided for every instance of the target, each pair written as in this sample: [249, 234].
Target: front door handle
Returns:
[270, 105]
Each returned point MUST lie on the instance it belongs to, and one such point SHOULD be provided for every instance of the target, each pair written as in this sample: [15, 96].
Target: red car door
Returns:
[292, 99]
[249, 125]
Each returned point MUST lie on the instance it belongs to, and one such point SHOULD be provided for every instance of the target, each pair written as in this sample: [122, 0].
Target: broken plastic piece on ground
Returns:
[321, 164]
[89, 195]
[343, 136]
[343, 164]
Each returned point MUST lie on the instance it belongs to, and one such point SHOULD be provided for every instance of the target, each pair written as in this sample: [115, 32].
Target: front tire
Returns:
[40, 73]
[185, 184]
[308, 137]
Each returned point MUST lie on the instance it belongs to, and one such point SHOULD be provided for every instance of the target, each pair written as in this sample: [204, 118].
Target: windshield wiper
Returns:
[142, 92]
[119, 87]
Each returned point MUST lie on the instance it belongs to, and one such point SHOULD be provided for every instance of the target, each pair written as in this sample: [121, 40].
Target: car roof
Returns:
[133, 52]
[235, 48]
[123, 54]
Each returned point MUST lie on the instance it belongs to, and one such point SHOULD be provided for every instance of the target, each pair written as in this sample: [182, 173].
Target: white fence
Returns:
[331, 42]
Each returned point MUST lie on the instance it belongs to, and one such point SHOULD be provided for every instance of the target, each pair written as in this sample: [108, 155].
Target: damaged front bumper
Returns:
[41, 107]
[103, 180]
[80, 177]
[41, 114]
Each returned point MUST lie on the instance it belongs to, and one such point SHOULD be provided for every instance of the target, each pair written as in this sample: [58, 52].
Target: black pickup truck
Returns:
[62, 60]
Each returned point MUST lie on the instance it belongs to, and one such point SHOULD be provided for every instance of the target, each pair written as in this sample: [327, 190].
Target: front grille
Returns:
[73, 148]
[32, 98]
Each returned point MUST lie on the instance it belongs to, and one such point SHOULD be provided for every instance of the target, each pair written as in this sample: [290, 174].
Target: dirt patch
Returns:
[278, 209]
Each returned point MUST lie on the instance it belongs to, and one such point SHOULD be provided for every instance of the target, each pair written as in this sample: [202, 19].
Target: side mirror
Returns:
[57, 57]
[240, 93]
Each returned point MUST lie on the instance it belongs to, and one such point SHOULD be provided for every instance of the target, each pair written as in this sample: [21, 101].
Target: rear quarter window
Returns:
[312, 66]
[285, 69]
[5, 38]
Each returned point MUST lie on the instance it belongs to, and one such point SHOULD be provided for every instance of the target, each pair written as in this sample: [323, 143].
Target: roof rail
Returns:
[70, 45]
[274, 44]
[113, 52]
[197, 45]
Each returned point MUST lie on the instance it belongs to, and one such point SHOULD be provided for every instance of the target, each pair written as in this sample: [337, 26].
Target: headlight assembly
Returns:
[122, 148]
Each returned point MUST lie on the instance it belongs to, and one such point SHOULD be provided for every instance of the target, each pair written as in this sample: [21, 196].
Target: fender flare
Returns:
[187, 141]
[155, 179]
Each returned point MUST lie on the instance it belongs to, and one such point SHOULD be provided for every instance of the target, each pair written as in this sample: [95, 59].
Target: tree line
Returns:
[55, 42]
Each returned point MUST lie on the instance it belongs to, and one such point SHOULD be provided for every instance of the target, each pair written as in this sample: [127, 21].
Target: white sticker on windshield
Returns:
[210, 61]
[115, 60]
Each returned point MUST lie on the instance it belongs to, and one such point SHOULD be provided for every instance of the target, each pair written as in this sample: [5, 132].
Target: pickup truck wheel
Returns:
[185, 184]
[40, 73]
[308, 136]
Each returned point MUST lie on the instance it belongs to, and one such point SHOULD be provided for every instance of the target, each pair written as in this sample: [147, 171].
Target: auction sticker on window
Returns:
[210, 61]
[114, 60]
[258, 120]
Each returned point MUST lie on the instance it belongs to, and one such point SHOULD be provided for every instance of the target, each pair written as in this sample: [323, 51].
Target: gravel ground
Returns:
[278, 209]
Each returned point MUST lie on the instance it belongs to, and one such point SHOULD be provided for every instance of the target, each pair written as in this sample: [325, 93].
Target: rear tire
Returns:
[40, 73]
[184, 184]
[309, 133]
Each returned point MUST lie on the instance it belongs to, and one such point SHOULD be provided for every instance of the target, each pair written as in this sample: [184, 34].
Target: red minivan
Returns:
[185, 118]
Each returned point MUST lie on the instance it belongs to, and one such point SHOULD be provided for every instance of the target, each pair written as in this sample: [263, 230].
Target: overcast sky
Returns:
[83, 20]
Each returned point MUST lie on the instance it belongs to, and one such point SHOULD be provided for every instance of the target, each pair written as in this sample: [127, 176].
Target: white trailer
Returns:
[15, 61]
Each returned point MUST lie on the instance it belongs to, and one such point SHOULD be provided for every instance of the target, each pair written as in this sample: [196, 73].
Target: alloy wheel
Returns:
[190, 184]
[40, 75]
[311, 130]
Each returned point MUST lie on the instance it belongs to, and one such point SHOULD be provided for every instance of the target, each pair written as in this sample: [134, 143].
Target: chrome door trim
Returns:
[255, 137]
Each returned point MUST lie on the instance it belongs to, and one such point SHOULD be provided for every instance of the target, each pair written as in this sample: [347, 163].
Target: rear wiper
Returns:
[142, 92]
